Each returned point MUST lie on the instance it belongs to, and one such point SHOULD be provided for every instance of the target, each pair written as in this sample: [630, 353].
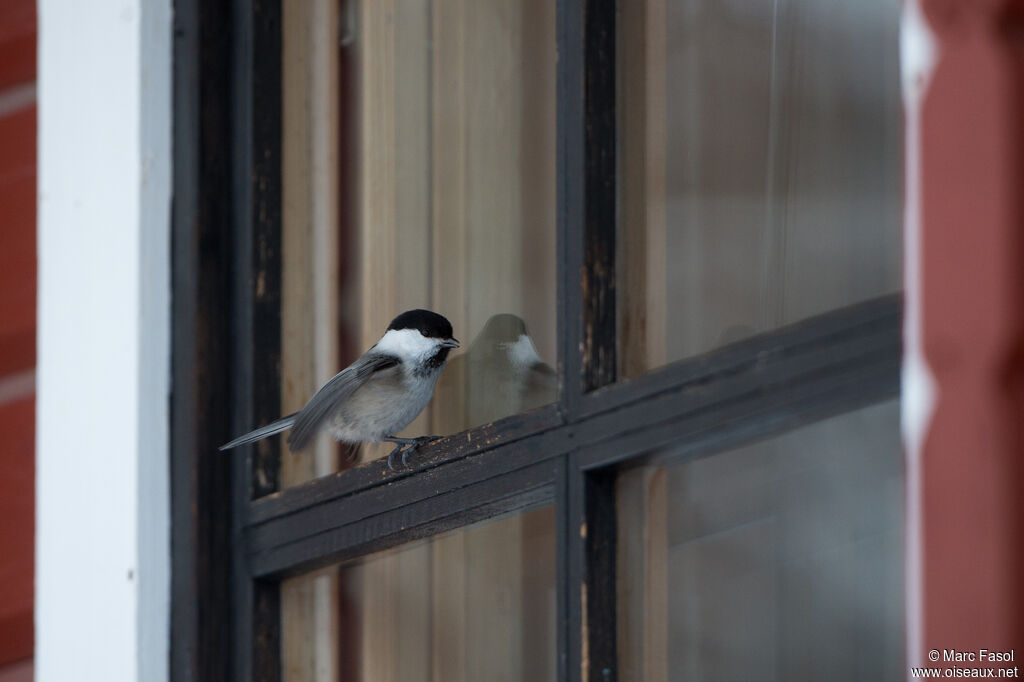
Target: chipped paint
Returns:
[584, 633]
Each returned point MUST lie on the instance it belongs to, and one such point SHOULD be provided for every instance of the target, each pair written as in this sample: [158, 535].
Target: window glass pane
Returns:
[781, 560]
[311, 207]
[456, 188]
[419, 172]
[418, 169]
[476, 604]
[760, 168]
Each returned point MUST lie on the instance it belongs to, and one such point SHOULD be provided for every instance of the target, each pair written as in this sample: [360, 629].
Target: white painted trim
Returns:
[102, 486]
[918, 394]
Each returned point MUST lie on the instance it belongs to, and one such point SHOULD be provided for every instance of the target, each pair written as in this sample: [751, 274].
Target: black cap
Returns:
[428, 323]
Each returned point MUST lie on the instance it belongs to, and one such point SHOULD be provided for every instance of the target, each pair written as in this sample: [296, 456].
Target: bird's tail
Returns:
[282, 424]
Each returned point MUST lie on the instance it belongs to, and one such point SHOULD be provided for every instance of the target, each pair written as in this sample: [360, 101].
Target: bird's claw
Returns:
[391, 457]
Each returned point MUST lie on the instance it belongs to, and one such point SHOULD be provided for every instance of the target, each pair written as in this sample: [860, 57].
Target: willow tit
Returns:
[379, 394]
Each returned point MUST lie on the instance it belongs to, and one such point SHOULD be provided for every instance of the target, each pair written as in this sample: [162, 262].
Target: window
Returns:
[715, 300]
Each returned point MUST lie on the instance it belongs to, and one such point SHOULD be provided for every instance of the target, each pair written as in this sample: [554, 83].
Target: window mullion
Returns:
[587, 202]
[255, 157]
[597, 278]
[587, 217]
[570, 207]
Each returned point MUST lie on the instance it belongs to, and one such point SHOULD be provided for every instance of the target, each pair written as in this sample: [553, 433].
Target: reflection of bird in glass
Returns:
[499, 374]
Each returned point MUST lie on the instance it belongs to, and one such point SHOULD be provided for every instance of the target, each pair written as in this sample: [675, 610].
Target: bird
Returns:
[376, 396]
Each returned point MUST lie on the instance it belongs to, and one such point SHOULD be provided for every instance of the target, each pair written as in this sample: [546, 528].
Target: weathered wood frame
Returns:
[235, 536]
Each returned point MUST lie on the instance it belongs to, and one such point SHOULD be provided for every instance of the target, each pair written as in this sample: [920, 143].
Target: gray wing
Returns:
[310, 419]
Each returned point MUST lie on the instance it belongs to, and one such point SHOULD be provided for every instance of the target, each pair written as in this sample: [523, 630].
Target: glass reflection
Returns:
[475, 604]
[418, 171]
[760, 166]
[455, 152]
[500, 374]
[775, 561]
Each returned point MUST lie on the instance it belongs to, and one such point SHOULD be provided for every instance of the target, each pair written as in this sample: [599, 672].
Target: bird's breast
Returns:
[382, 407]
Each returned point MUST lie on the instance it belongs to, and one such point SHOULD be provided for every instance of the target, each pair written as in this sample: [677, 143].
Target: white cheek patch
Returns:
[523, 353]
[406, 343]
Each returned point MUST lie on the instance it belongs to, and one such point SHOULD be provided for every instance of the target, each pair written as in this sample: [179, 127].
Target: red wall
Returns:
[972, 263]
[17, 332]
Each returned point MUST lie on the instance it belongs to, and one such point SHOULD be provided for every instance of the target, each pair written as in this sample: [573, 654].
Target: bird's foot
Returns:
[405, 447]
[391, 457]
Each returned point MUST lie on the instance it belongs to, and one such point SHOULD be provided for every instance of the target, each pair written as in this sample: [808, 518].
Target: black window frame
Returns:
[235, 536]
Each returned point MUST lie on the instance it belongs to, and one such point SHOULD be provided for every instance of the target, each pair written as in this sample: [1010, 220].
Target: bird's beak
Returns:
[450, 343]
